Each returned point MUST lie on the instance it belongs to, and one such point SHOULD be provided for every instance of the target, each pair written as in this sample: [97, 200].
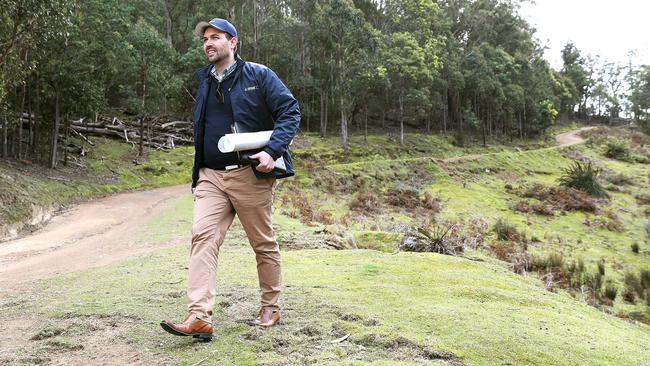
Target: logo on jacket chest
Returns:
[251, 88]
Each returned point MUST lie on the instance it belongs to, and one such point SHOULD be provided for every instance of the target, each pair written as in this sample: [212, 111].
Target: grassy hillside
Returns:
[406, 308]
[369, 201]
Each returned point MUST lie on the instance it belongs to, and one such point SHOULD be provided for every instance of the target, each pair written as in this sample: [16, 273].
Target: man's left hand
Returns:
[266, 162]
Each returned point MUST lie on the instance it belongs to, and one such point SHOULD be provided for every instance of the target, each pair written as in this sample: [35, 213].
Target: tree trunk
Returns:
[37, 130]
[19, 148]
[483, 127]
[5, 127]
[444, 115]
[67, 140]
[365, 123]
[523, 134]
[489, 112]
[344, 125]
[31, 124]
[140, 147]
[521, 127]
[323, 113]
[55, 130]
[401, 118]
[383, 110]
[168, 22]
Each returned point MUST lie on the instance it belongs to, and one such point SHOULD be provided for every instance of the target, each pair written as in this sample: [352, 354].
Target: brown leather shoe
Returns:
[267, 317]
[192, 326]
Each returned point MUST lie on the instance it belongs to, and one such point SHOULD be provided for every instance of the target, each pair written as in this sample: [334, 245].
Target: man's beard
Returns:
[218, 56]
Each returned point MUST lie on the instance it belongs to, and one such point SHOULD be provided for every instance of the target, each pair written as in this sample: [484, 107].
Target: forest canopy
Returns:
[461, 66]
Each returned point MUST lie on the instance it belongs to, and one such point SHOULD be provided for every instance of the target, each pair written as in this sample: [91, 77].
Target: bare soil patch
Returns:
[91, 234]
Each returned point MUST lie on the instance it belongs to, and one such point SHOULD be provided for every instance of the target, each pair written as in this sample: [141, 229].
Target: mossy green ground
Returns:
[404, 308]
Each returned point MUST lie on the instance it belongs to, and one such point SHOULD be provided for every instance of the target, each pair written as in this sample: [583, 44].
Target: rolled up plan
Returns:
[244, 141]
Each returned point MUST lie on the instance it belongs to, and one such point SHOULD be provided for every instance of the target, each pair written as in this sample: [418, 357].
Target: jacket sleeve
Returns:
[285, 111]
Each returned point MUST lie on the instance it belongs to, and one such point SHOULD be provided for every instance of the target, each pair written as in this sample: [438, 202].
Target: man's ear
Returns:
[233, 43]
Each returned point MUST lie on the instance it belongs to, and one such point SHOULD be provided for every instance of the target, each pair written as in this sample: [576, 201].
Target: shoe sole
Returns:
[203, 337]
[269, 325]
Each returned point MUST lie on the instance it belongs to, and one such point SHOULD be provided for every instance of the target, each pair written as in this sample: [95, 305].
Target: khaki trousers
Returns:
[218, 196]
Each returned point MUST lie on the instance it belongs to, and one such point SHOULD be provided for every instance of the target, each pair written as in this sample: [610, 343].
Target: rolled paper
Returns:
[244, 141]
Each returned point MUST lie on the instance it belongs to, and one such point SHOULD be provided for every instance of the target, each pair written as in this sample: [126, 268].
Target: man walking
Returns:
[245, 97]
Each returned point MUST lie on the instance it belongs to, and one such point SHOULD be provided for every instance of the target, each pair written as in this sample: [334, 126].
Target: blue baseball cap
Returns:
[216, 23]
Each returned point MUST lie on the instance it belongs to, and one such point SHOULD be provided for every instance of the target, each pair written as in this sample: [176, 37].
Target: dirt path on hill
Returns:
[91, 234]
[572, 137]
[562, 140]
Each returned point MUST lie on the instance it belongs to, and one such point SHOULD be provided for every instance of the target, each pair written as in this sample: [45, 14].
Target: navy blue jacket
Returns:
[260, 102]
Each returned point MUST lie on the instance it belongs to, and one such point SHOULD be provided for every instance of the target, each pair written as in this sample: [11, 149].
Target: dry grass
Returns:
[556, 198]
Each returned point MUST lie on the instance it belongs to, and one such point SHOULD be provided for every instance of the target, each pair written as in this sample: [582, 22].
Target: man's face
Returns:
[217, 46]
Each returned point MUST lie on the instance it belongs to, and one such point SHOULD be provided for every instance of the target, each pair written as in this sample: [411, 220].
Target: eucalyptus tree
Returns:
[151, 61]
[574, 69]
[344, 36]
[407, 72]
[424, 20]
[26, 27]
[614, 78]
[640, 95]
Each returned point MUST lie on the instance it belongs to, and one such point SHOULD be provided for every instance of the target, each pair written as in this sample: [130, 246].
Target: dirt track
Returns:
[91, 234]
[571, 137]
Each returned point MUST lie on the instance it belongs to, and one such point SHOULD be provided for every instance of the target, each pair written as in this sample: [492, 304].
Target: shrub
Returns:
[611, 221]
[432, 202]
[538, 191]
[545, 210]
[640, 159]
[304, 209]
[601, 267]
[617, 149]
[583, 177]
[577, 279]
[628, 296]
[594, 282]
[571, 199]
[431, 239]
[643, 199]
[610, 291]
[506, 231]
[522, 206]
[520, 262]
[553, 262]
[576, 267]
[403, 197]
[635, 248]
[633, 284]
[645, 278]
[504, 251]
[365, 202]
